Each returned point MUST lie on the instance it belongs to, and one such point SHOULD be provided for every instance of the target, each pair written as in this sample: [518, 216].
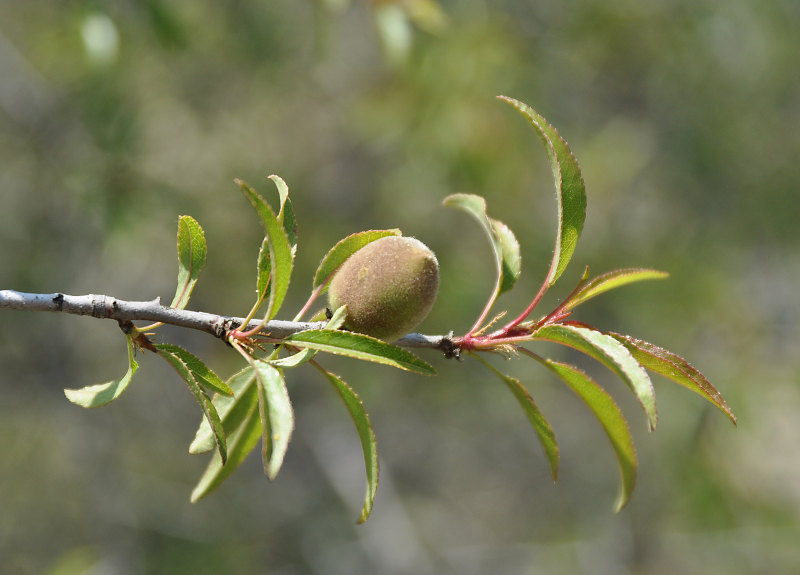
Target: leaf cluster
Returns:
[255, 403]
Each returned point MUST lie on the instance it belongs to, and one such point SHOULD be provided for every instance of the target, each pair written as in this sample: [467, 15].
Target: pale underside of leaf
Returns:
[610, 353]
[359, 346]
[102, 394]
[277, 416]
[570, 191]
[243, 429]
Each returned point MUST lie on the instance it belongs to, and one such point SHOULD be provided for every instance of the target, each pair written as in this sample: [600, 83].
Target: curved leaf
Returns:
[175, 360]
[674, 367]
[280, 251]
[540, 424]
[102, 394]
[359, 346]
[199, 370]
[570, 190]
[286, 212]
[191, 259]
[610, 417]
[609, 281]
[342, 250]
[243, 435]
[610, 353]
[366, 434]
[277, 416]
[511, 261]
[232, 411]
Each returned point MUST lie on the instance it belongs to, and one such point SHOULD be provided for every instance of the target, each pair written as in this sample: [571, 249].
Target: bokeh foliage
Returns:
[117, 116]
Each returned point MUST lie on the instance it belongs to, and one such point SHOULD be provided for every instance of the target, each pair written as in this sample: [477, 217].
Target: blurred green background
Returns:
[116, 117]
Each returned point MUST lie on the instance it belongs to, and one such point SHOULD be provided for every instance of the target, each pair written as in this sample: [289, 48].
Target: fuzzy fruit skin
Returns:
[388, 286]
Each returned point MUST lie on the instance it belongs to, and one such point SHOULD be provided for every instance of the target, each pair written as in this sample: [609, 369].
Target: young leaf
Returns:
[610, 353]
[540, 424]
[570, 191]
[343, 249]
[674, 367]
[610, 417]
[286, 212]
[199, 370]
[241, 441]
[277, 416]
[210, 412]
[509, 247]
[232, 411]
[362, 347]
[369, 444]
[104, 393]
[280, 251]
[191, 259]
[264, 271]
[609, 281]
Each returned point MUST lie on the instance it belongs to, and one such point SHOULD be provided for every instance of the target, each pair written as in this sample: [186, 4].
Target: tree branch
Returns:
[107, 307]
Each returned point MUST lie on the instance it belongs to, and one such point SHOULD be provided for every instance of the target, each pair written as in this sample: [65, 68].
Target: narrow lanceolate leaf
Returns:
[191, 259]
[610, 353]
[263, 271]
[359, 346]
[200, 370]
[540, 424]
[280, 251]
[610, 417]
[609, 281]
[369, 444]
[104, 393]
[277, 416]
[231, 409]
[674, 367]
[286, 212]
[343, 249]
[243, 436]
[206, 405]
[570, 191]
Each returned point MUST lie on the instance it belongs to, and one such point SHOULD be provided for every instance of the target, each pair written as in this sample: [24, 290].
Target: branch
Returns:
[106, 307]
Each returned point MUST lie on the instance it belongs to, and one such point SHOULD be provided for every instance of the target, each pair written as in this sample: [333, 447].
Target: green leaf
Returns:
[191, 259]
[277, 416]
[362, 347]
[104, 393]
[280, 251]
[343, 249]
[286, 212]
[165, 351]
[200, 370]
[232, 411]
[674, 367]
[609, 281]
[540, 424]
[610, 417]
[242, 437]
[307, 354]
[570, 191]
[511, 258]
[263, 272]
[610, 353]
[366, 434]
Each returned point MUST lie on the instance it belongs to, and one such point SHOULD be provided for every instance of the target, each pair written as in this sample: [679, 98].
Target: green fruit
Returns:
[388, 286]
